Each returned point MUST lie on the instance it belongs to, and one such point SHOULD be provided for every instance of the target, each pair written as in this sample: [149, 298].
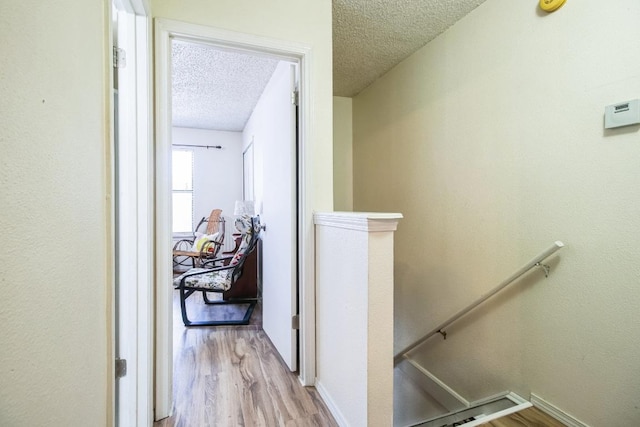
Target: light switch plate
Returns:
[622, 114]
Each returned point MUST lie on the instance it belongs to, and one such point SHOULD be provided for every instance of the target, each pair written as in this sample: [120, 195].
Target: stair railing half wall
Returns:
[441, 328]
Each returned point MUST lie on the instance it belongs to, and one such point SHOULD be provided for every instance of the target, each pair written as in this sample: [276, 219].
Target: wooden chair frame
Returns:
[182, 249]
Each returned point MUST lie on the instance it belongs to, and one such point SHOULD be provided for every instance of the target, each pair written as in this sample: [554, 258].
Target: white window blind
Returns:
[182, 185]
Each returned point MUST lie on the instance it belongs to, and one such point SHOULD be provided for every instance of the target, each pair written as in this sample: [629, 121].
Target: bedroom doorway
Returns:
[282, 171]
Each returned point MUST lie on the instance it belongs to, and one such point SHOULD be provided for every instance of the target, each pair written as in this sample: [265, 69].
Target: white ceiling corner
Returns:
[372, 36]
[216, 89]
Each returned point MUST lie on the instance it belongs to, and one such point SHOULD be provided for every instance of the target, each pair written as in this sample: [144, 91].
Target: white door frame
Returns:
[165, 31]
[134, 201]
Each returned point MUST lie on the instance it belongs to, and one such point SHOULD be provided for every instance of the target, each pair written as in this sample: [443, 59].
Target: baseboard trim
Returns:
[331, 405]
[556, 412]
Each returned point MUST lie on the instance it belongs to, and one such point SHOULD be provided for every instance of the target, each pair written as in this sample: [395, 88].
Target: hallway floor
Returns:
[233, 376]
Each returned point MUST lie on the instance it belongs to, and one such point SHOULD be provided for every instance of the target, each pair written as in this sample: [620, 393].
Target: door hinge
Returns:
[294, 97]
[119, 57]
[295, 321]
[121, 368]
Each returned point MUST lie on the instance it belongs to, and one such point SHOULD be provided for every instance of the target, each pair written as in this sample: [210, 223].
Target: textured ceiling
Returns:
[372, 36]
[216, 89]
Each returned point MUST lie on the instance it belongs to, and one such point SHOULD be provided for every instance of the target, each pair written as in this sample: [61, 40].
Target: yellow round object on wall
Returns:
[551, 5]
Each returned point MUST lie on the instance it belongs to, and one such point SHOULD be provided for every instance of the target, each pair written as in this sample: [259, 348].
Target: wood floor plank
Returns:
[530, 417]
[233, 376]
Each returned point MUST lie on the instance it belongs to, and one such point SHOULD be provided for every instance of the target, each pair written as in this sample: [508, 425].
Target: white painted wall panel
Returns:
[341, 300]
[342, 153]
[490, 140]
[54, 218]
[354, 316]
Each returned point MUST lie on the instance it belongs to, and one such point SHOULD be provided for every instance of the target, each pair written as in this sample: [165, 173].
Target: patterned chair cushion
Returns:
[243, 224]
[219, 281]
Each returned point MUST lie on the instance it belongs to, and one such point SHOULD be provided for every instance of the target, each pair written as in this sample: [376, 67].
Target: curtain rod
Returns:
[219, 147]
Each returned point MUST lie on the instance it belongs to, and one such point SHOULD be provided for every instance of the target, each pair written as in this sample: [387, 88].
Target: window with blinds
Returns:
[182, 187]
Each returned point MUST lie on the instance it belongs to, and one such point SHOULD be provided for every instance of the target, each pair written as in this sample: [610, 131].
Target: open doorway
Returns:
[228, 107]
[273, 150]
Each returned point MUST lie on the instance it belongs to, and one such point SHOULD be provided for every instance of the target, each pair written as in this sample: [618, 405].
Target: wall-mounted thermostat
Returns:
[622, 114]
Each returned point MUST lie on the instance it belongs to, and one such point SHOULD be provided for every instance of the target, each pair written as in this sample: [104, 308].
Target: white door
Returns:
[125, 292]
[132, 186]
[279, 241]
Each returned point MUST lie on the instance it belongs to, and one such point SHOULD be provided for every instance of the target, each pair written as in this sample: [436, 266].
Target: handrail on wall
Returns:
[440, 329]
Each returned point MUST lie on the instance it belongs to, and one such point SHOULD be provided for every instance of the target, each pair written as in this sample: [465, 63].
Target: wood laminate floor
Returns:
[530, 417]
[232, 376]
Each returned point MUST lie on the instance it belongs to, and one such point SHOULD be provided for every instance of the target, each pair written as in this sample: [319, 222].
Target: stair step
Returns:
[529, 417]
[479, 413]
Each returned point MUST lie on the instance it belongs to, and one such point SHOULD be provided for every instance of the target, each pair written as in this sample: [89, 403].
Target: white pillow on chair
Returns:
[202, 239]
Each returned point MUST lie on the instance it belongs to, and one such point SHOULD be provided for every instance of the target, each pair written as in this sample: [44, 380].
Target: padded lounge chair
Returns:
[221, 277]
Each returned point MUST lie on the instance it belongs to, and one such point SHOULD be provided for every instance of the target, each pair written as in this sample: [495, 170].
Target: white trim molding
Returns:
[359, 221]
[331, 405]
[165, 31]
[555, 412]
[133, 207]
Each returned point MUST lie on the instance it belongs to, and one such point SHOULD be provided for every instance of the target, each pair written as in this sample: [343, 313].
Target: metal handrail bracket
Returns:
[440, 329]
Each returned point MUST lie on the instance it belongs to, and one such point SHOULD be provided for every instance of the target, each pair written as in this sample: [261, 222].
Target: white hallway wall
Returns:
[55, 314]
[490, 140]
[64, 137]
[342, 153]
[217, 174]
